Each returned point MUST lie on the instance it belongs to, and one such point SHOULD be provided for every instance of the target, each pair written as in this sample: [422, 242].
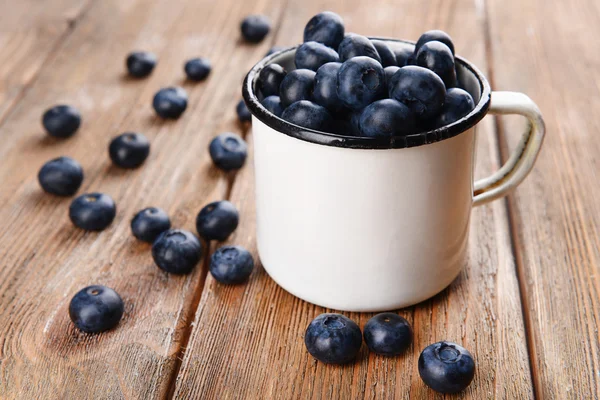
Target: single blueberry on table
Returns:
[170, 102]
[361, 81]
[255, 28]
[389, 72]
[176, 251]
[197, 69]
[61, 121]
[96, 309]
[333, 339]
[437, 35]
[273, 105]
[388, 58]
[325, 90]
[150, 222]
[437, 57]
[420, 89]
[228, 151]
[140, 63]
[458, 103]
[217, 220]
[311, 55]
[61, 176]
[355, 45]
[388, 334]
[387, 117]
[446, 367]
[92, 211]
[270, 78]
[231, 265]
[327, 28]
[129, 150]
[403, 54]
[297, 85]
[309, 115]
[242, 112]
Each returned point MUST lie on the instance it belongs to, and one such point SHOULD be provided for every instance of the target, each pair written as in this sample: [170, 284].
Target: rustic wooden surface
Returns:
[527, 305]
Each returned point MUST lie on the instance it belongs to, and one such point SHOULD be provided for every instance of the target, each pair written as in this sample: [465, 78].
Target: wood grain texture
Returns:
[247, 340]
[545, 51]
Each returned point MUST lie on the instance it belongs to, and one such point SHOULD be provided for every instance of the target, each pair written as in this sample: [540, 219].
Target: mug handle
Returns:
[521, 161]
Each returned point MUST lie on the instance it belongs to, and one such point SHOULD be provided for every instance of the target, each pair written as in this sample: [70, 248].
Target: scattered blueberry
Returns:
[228, 151]
[92, 211]
[197, 69]
[297, 85]
[96, 309]
[61, 176]
[274, 49]
[333, 339]
[327, 28]
[270, 78]
[311, 55]
[176, 251]
[420, 89]
[388, 58]
[309, 115]
[217, 220]
[387, 117]
[243, 113]
[140, 63]
[149, 223]
[355, 45]
[61, 121]
[273, 104]
[231, 265]
[170, 102]
[129, 150]
[389, 72]
[325, 90]
[458, 103]
[437, 57]
[403, 53]
[438, 35]
[255, 28]
[446, 367]
[360, 82]
[388, 334]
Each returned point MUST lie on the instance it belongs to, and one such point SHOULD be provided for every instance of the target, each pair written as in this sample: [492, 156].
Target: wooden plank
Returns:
[248, 339]
[44, 260]
[544, 50]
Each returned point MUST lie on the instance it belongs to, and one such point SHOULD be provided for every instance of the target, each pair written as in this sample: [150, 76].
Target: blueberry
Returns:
[228, 151]
[217, 220]
[388, 334]
[297, 85]
[458, 103]
[438, 35]
[140, 63]
[61, 176]
[389, 72]
[129, 150]
[327, 28]
[255, 28]
[420, 89]
[170, 102]
[96, 309]
[403, 54]
[231, 265]
[446, 367]
[387, 117]
[325, 90]
[311, 55]
[360, 82]
[388, 58]
[197, 69]
[273, 104]
[176, 251]
[92, 211]
[355, 45]
[309, 115]
[149, 223]
[274, 50]
[242, 112]
[333, 339]
[270, 78]
[437, 57]
[61, 121]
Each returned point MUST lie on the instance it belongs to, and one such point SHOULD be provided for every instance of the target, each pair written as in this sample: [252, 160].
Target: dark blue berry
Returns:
[217, 220]
[297, 85]
[270, 78]
[361, 81]
[274, 49]
[438, 35]
[458, 103]
[355, 45]
[149, 223]
[255, 28]
[273, 104]
[129, 150]
[437, 57]
[231, 265]
[176, 251]
[403, 54]
[325, 90]
[170, 102]
[311, 55]
[61, 121]
[96, 309]
[388, 334]
[242, 112]
[333, 339]
[389, 72]
[327, 28]
[385, 53]
[446, 367]
[140, 63]
[228, 151]
[420, 89]
[92, 211]
[61, 176]
[197, 69]
[387, 117]
[309, 115]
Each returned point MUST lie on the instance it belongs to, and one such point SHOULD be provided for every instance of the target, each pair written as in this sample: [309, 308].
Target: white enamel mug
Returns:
[365, 224]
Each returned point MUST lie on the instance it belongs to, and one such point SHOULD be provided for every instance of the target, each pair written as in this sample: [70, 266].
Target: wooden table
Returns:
[527, 304]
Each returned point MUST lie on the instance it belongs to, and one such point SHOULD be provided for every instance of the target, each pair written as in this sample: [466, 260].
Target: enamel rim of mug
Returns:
[356, 142]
